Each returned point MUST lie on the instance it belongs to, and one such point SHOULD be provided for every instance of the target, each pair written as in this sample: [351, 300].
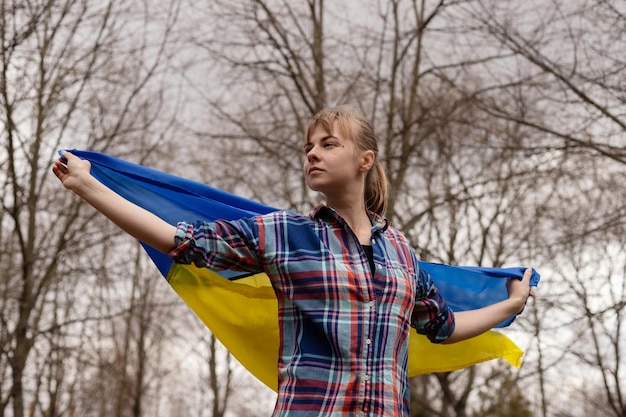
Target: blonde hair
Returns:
[353, 125]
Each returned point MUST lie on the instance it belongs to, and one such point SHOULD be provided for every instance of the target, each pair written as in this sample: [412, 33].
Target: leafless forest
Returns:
[502, 128]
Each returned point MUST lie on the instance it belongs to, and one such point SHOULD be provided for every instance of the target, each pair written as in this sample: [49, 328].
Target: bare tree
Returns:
[575, 66]
[501, 126]
[69, 76]
[569, 70]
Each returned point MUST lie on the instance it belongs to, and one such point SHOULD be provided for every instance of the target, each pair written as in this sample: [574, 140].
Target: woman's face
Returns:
[332, 164]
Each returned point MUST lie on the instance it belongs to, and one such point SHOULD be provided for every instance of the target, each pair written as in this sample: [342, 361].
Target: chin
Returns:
[315, 187]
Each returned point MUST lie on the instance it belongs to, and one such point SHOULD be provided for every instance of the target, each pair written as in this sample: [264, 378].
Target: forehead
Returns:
[319, 132]
[341, 128]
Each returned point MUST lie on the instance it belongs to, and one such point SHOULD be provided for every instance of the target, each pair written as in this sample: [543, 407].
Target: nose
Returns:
[312, 155]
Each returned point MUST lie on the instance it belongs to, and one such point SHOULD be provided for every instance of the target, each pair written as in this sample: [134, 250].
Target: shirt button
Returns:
[379, 266]
[361, 413]
[373, 241]
[366, 377]
[368, 341]
[371, 303]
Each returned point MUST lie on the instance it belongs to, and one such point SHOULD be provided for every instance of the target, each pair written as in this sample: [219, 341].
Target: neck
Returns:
[355, 214]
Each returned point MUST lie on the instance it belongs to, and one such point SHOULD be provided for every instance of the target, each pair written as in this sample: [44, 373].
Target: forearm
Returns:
[472, 323]
[136, 221]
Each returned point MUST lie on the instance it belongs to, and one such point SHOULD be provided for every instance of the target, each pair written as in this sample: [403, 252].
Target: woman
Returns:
[348, 285]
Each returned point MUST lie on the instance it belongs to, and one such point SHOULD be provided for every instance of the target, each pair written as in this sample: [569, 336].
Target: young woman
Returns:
[348, 285]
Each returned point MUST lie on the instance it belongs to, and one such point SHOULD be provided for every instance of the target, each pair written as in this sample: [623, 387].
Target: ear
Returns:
[367, 160]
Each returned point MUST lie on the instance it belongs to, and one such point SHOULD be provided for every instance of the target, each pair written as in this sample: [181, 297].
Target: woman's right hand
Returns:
[72, 171]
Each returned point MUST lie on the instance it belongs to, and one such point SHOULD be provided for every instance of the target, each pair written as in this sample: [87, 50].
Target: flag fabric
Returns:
[242, 310]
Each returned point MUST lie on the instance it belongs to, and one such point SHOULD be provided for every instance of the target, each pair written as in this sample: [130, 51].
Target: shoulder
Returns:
[401, 246]
[397, 237]
[283, 219]
[283, 216]
[288, 231]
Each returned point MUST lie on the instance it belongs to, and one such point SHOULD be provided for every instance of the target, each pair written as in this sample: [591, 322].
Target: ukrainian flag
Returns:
[241, 311]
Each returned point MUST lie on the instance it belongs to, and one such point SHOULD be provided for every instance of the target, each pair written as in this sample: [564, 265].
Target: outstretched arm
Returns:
[74, 174]
[475, 322]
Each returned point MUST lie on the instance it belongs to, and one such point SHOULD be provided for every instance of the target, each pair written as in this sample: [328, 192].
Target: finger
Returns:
[66, 156]
[58, 169]
[527, 275]
[60, 163]
[68, 161]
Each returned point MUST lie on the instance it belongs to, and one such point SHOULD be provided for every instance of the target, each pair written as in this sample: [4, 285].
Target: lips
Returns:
[313, 170]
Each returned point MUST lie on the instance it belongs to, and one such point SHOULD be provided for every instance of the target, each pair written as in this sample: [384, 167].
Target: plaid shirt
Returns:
[344, 330]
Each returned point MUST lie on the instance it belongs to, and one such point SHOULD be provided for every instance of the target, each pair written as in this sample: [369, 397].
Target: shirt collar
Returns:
[379, 223]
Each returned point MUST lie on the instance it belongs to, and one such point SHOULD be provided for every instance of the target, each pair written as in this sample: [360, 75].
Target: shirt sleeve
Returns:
[218, 245]
[431, 316]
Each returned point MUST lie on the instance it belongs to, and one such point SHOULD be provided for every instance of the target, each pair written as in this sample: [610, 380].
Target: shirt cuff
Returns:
[443, 326]
[184, 239]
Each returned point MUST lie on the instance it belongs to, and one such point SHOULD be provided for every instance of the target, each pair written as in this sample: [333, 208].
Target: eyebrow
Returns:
[322, 139]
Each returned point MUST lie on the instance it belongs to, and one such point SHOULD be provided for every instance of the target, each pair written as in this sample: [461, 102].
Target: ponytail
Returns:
[376, 189]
